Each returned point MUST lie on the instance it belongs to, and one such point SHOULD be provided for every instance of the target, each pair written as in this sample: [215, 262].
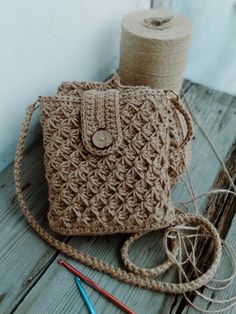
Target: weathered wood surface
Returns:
[33, 282]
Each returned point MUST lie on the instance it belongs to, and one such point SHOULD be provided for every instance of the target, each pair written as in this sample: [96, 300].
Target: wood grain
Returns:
[33, 282]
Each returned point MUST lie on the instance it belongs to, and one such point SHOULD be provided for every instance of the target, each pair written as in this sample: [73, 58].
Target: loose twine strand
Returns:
[192, 238]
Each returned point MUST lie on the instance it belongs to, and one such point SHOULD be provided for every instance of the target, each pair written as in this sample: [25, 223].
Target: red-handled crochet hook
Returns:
[94, 285]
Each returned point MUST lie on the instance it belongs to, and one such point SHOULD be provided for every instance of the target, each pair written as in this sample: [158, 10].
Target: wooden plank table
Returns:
[33, 282]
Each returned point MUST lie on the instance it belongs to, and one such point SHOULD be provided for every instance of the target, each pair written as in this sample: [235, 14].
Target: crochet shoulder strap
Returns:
[135, 276]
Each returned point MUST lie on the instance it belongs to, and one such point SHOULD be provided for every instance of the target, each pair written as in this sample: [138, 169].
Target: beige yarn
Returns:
[148, 120]
[153, 49]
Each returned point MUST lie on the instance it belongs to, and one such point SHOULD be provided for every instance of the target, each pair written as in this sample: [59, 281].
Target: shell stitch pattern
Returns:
[126, 191]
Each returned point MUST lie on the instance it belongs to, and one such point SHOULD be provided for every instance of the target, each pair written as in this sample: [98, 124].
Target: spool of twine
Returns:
[153, 50]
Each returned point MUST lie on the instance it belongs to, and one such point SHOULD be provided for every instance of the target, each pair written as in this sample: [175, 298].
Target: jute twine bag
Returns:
[108, 153]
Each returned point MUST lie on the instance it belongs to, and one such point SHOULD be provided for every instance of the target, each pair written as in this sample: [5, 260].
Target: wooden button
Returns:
[102, 138]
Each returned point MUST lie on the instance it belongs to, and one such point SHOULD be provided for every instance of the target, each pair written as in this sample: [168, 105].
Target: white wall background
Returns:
[212, 57]
[43, 43]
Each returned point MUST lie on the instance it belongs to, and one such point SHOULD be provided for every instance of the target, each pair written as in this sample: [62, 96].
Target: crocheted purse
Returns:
[108, 153]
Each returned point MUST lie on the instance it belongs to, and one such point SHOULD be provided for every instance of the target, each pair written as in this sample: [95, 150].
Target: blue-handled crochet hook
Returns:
[85, 296]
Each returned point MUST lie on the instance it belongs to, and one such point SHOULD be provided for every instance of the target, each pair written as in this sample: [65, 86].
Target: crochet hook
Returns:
[94, 285]
[85, 296]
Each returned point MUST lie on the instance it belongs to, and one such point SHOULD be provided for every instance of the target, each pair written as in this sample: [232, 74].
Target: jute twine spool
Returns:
[153, 51]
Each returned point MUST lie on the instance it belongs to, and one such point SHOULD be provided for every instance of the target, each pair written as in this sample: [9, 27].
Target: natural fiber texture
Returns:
[179, 156]
[124, 188]
[175, 223]
[153, 50]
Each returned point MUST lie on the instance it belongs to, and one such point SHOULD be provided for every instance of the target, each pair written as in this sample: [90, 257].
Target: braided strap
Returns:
[137, 277]
[175, 101]
[145, 272]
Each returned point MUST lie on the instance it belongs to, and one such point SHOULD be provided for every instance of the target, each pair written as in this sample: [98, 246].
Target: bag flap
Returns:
[100, 119]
